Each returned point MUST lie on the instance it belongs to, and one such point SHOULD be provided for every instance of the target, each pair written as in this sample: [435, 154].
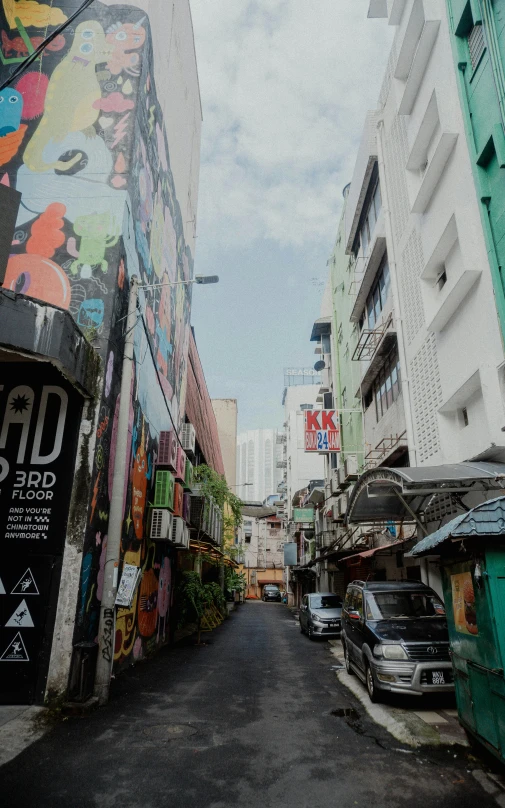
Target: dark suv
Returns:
[395, 638]
[271, 592]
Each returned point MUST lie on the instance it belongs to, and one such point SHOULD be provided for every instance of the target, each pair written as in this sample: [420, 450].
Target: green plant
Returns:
[234, 581]
[215, 486]
[214, 595]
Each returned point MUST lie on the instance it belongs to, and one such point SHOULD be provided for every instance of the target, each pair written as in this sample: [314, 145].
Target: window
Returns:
[476, 44]
[442, 280]
[386, 387]
[306, 406]
[464, 417]
[369, 218]
[376, 300]
[328, 401]
[247, 538]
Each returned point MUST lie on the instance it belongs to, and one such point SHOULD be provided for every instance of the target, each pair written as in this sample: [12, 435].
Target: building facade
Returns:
[261, 538]
[257, 457]
[226, 412]
[102, 144]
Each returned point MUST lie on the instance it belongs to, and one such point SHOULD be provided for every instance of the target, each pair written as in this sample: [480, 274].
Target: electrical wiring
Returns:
[24, 65]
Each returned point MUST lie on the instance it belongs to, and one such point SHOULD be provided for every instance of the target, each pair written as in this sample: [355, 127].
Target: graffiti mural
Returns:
[82, 137]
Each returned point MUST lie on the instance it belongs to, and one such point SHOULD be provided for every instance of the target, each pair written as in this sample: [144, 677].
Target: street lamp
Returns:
[200, 279]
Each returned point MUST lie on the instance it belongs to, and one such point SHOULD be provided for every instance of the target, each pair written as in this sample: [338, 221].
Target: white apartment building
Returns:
[257, 457]
[430, 352]
[424, 283]
[261, 538]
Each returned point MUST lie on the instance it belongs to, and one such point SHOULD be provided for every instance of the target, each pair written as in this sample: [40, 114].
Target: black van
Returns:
[395, 638]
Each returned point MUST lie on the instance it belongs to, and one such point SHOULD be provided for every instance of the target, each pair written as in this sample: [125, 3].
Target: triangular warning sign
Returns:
[2, 588]
[15, 651]
[26, 585]
[21, 617]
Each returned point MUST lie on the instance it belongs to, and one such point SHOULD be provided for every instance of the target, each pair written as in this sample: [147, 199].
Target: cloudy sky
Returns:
[285, 88]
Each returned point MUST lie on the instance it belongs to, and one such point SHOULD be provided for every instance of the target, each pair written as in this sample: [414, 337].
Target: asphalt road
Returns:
[245, 721]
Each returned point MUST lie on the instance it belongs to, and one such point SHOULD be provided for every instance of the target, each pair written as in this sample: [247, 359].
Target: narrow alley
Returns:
[243, 720]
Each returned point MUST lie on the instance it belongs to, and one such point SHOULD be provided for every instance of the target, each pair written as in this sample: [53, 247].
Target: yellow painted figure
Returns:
[72, 96]
[32, 13]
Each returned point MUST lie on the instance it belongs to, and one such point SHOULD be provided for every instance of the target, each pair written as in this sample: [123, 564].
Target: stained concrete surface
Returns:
[245, 721]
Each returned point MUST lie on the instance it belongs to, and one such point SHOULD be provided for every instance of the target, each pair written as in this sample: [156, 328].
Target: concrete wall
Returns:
[226, 412]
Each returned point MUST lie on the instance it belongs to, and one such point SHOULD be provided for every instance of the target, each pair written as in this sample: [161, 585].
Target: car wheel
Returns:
[347, 660]
[373, 691]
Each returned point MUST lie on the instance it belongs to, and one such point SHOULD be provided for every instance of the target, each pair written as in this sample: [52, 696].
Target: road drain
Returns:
[345, 712]
[169, 732]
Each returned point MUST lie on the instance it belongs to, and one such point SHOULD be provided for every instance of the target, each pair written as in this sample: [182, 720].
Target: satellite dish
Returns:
[320, 365]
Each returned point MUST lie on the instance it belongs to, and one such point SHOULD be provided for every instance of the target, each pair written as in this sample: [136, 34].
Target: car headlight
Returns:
[317, 619]
[393, 652]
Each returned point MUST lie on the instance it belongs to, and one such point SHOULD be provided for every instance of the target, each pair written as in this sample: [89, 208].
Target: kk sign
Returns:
[322, 431]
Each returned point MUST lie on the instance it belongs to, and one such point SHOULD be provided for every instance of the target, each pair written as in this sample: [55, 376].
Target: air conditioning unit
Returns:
[343, 503]
[164, 490]
[181, 465]
[335, 513]
[161, 525]
[186, 506]
[351, 468]
[188, 475]
[334, 482]
[178, 531]
[186, 537]
[178, 495]
[188, 438]
[167, 450]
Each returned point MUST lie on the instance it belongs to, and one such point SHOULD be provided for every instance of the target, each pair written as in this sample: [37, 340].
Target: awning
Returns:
[397, 545]
[383, 494]
[486, 519]
[320, 327]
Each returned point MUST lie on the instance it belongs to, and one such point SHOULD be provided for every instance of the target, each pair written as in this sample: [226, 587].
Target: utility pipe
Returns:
[393, 272]
[107, 626]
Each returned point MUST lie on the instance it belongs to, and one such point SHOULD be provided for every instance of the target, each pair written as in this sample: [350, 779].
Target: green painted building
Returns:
[345, 335]
[478, 38]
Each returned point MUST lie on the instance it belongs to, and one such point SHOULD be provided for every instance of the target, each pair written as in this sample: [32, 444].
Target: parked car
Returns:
[395, 638]
[320, 615]
[271, 592]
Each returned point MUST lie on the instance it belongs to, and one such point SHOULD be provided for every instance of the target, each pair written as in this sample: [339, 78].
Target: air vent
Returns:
[178, 531]
[476, 44]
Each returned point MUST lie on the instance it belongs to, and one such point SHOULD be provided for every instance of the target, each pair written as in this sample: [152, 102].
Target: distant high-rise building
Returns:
[225, 410]
[257, 456]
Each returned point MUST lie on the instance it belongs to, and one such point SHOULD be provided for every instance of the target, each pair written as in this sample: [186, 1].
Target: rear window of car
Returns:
[326, 601]
[272, 588]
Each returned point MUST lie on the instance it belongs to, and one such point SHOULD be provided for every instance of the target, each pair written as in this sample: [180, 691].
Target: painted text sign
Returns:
[322, 431]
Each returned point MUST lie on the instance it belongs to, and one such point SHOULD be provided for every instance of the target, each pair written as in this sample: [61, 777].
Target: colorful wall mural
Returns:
[82, 137]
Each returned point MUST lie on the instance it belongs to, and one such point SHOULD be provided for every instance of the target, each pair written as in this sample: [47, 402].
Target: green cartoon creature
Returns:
[95, 239]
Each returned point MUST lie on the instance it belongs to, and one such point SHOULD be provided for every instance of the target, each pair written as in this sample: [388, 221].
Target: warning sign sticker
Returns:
[21, 617]
[2, 588]
[26, 585]
[15, 651]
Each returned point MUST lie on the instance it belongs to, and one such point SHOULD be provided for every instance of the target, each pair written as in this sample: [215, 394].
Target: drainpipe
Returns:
[393, 272]
[107, 627]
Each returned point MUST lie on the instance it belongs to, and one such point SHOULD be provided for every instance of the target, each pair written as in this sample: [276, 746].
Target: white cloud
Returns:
[285, 88]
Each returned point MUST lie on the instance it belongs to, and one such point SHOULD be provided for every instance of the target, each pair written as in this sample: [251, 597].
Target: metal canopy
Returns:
[320, 327]
[401, 493]
[486, 519]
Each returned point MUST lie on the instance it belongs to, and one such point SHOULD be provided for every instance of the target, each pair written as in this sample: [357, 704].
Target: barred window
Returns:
[476, 44]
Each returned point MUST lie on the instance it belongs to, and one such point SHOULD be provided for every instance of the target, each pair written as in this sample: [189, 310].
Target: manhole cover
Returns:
[169, 732]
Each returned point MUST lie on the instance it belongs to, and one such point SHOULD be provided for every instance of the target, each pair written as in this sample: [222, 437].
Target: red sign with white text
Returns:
[322, 431]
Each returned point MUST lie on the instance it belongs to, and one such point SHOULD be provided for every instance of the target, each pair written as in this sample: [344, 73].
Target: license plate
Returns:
[334, 625]
[437, 677]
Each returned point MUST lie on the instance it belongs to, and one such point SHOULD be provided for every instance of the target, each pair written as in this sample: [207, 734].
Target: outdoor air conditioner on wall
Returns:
[178, 495]
[181, 465]
[167, 450]
[334, 483]
[335, 512]
[188, 475]
[188, 438]
[161, 525]
[164, 490]
[343, 503]
[178, 531]
[185, 536]
[351, 468]
[186, 507]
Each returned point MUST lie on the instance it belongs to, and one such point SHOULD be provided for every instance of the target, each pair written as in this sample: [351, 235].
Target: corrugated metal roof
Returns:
[486, 519]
